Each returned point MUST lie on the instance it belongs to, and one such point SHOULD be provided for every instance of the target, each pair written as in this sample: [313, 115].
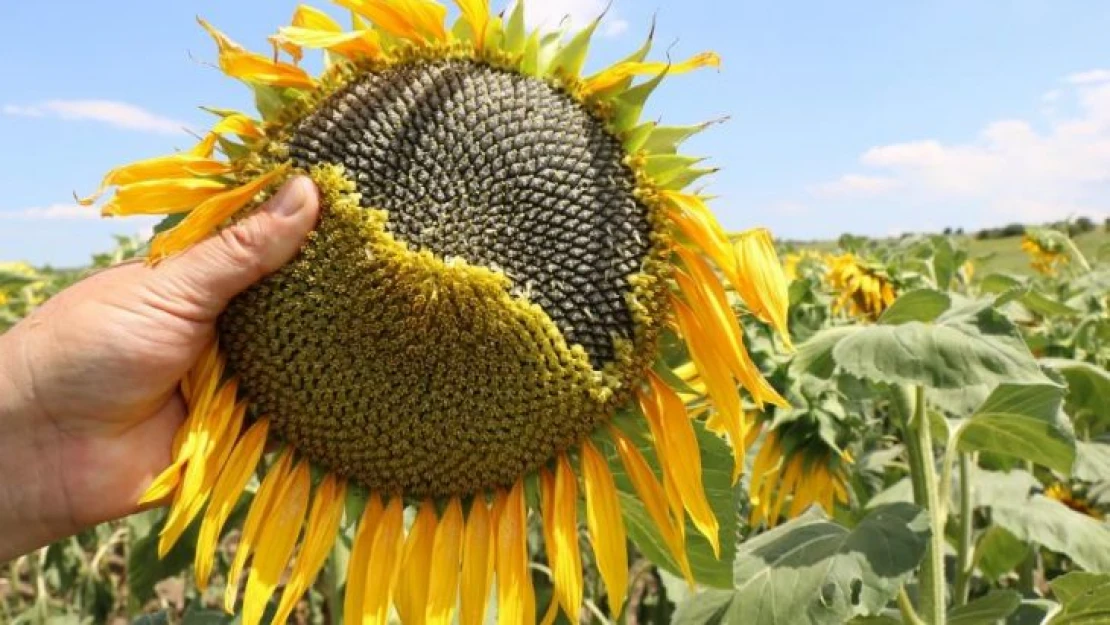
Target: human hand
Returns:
[89, 399]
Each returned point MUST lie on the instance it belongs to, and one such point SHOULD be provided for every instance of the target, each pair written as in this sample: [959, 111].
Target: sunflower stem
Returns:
[923, 464]
[905, 606]
[964, 562]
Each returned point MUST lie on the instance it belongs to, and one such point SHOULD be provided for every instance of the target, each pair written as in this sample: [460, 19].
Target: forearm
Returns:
[33, 508]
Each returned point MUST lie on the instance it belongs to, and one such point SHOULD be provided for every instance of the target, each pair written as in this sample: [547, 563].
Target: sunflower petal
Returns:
[477, 564]
[360, 557]
[384, 563]
[566, 559]
[515, 598]
[208, 216]
[264, 503]
[763, 281]
[443, 587]
[161, 197]
[183, 165]
[239, 124]
[320, 532]
[249, 66]
[353, 44]
[654, 498]
[411, 597]
[476, 13]
[412, 20]
[603, 517]
[621, 71]
[279, 535]
[229, 487]
[685, 460]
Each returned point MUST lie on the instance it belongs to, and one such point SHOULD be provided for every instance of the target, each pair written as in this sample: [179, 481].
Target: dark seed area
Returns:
[501, 170]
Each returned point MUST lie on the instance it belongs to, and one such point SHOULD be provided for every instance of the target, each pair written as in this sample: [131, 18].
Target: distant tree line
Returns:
[1073, 228]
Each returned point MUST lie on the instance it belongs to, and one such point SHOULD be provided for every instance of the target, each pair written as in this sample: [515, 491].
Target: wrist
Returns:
[33, 502]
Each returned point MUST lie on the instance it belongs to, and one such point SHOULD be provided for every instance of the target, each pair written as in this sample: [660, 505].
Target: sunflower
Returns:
[1044, 257]
[864, 290]
[503, 243]
[1064, 494]
[798, 468]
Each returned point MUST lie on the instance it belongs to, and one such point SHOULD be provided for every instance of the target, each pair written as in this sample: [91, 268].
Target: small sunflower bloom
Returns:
[503, 244]
[1045, 258]
[799, 474]
[863, 290]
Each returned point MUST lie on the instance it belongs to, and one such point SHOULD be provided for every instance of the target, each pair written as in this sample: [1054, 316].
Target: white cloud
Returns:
[549, 14]
[855, 185]
[1054, 166]
[51, 212]
[117, 114]
[1088, 77]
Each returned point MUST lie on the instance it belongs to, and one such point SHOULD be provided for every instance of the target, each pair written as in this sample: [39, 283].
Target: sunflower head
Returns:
[864, 290]
[502, 244]
[1063, 493]
[1046, 255]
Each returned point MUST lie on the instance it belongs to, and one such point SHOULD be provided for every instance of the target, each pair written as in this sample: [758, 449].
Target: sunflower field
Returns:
[518, 372]
[945, 458]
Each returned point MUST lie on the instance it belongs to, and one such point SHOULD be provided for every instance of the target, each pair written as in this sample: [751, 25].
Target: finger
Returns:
[220, 267]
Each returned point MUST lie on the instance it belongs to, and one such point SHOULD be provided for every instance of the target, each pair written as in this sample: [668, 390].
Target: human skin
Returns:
[89, 398]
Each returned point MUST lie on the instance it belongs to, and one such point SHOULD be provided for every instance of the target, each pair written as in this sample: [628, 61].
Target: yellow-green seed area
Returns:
[402, 371]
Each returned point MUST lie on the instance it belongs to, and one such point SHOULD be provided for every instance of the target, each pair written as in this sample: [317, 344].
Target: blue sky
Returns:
[867, 116]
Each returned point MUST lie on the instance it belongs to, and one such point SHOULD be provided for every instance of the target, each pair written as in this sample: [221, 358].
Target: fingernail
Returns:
[289, 199]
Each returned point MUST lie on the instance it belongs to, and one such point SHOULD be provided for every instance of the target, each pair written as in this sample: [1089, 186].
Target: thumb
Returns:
[212, 272]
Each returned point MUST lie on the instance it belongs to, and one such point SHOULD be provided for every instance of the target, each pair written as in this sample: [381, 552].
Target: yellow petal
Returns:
[162, 197]
[443, 587]
[384, 564]
[715, 371]
[183, 165]
[603, 517]
[763, 281]
[476, 13]
[413, 20]
[320, 532]
[654, 499]
[360, 557]
[205, 218]
[212, 444]
[566, 558]
[411, 598]
[264, 503]
[310, 17]
[239, 124]
[206, 146]
[239, 63]
[477, 564]
[684, 458]
[722, 334]
[619, 72]
[515, 598]
[354, 44]
[279, 537]
[229, 487]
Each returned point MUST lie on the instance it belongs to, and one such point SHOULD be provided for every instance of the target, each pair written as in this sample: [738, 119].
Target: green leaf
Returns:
[1070, 587]
[716, 460]
[1085, 599]
[709, 607]
[811, 570]
[972, 344]
[1088, 388]
[168, 222]
[923, 305]
[999, 552]
[1092, 462]
[988, 609]
[815, 356]
[1058, 528]
[1023, 421]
